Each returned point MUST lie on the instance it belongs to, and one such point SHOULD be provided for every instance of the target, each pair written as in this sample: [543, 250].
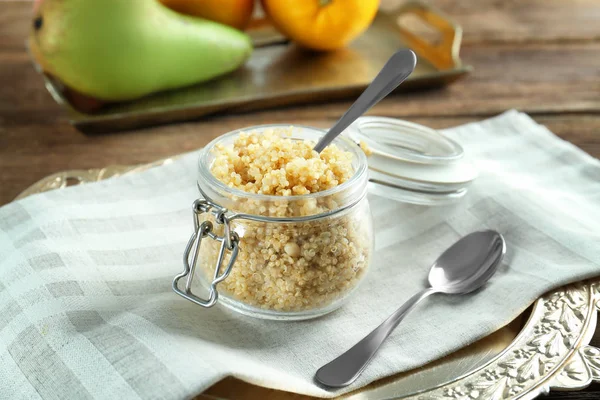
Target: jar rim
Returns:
[356, 151]
[409, 142]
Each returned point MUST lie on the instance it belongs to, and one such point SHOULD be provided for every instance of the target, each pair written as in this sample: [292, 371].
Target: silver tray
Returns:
[546, 348]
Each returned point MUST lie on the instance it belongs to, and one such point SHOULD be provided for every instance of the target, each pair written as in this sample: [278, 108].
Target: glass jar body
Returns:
[299, 256]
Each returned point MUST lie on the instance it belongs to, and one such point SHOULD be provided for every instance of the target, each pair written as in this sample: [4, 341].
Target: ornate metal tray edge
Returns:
[551, 352]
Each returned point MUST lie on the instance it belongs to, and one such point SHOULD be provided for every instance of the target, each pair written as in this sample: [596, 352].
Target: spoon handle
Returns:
[343, 370]
[393, 73]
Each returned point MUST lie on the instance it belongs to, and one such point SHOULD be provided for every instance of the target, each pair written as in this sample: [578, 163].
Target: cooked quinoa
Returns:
[271, 163]
[290, 266]
[365, 148]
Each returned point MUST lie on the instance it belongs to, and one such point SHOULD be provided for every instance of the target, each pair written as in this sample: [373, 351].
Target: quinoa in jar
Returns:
[300, 220]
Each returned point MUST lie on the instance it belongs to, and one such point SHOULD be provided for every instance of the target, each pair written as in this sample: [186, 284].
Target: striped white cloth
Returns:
[87, 311]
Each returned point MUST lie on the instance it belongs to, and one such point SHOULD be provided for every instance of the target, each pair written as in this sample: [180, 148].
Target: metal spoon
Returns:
[462, 268]
[393, 73]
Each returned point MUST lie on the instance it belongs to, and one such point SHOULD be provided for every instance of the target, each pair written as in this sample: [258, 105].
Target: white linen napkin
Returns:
[86, 307]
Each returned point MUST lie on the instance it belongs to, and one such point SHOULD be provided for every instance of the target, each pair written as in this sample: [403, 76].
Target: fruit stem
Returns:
[324, 3]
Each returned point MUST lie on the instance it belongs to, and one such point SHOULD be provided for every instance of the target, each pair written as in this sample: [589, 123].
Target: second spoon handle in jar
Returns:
[346, 368]
[393, 73]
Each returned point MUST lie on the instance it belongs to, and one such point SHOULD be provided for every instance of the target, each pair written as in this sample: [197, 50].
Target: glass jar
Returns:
[278, 257]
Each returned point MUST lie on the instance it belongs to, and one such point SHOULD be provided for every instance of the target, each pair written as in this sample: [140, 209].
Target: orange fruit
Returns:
[321, 24]
[234, 13]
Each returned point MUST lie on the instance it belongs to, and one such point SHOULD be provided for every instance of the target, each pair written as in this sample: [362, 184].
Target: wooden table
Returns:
[538, 56]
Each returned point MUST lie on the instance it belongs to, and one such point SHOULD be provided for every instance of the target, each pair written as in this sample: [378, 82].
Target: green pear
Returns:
[123, 49]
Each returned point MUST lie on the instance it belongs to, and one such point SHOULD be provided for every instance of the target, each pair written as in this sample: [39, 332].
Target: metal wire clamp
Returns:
[229, 242]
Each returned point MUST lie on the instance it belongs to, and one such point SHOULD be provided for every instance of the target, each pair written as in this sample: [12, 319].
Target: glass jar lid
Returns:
[411, 162]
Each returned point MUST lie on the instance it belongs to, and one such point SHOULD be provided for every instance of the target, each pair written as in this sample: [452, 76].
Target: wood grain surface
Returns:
[538, 56]
[523, 21]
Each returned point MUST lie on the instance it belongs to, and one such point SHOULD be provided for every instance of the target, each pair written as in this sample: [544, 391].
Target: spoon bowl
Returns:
[468, 264]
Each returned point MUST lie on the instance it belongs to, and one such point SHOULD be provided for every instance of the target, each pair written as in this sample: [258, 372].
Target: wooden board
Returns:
[518, 21]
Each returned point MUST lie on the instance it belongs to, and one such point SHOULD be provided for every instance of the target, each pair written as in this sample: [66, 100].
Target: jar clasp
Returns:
[229, 242]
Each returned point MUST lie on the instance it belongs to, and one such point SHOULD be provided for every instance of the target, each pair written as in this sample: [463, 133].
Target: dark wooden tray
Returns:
[279, 73]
